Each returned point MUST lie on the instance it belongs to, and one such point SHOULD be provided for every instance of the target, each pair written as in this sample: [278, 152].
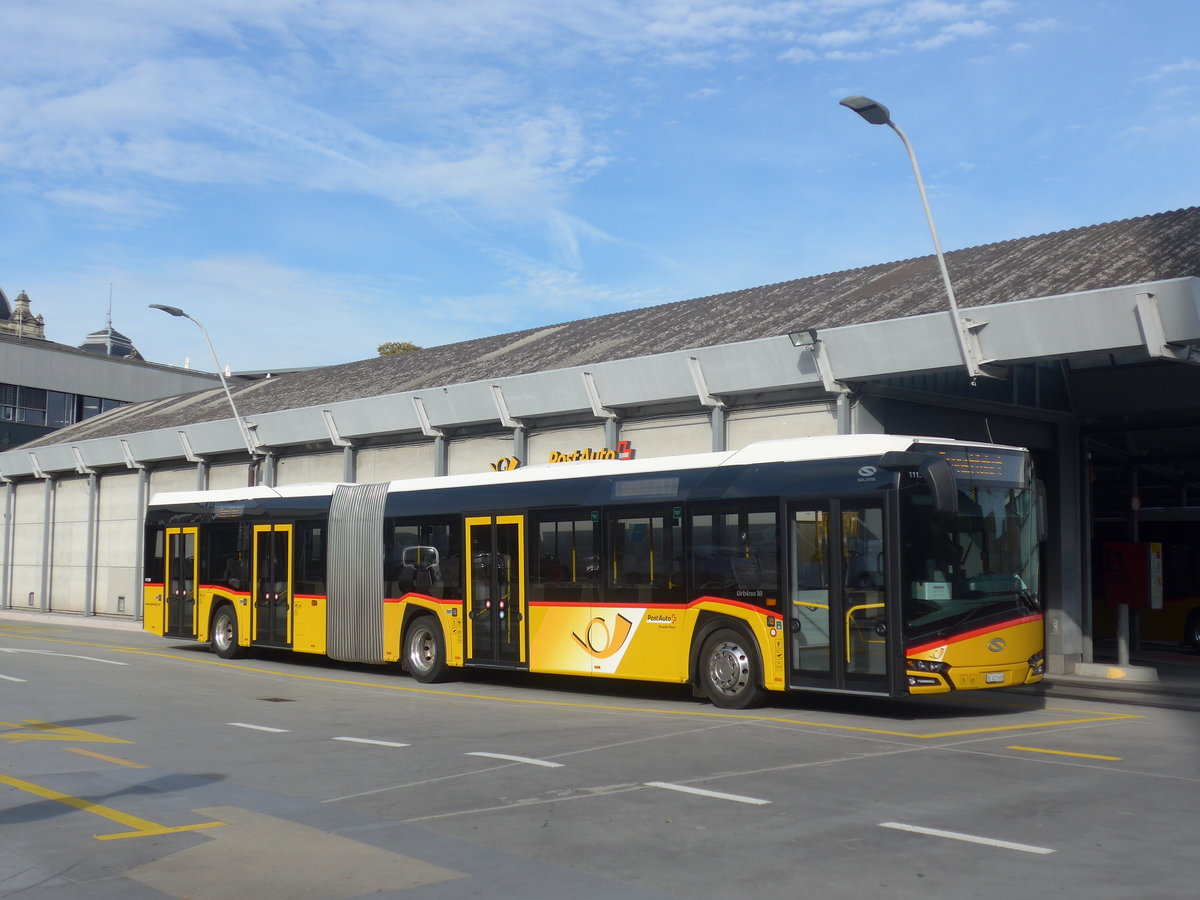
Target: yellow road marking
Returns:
[1093, 717]
[36, 730]
[111, 759]
[1067, 753]
[141, 827]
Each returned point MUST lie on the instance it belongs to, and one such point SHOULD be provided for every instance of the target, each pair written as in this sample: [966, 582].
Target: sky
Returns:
[311, 178]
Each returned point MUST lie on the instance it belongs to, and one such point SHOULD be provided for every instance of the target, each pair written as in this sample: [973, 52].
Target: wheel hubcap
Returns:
[421, 655]
[729, 668]
[223, 633]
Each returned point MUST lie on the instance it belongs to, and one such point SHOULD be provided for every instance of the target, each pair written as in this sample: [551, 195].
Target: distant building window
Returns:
[31, 398]
[54, 409]
[31, 416]
[86, 407]
[60, 409]
[22, 404]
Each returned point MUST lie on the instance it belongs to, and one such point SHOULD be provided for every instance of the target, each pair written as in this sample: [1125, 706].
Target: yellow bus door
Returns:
[180, 579]
[271, 622]
[495, 600]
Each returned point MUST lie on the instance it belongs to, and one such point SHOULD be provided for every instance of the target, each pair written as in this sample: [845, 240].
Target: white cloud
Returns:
[841, 37]
[956, 31]
[798, 54]
[1039, 25]
[1171, 69]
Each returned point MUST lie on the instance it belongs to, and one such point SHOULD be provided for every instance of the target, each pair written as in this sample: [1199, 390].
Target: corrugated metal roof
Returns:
[1130, 251]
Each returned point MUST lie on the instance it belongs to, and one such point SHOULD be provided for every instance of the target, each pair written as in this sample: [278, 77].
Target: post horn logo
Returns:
[600, 642]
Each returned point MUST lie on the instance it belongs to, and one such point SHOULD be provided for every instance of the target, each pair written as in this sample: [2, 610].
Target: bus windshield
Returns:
[977, 567]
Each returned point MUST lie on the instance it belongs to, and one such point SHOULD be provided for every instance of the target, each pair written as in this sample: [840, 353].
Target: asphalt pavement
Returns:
[1176, 667]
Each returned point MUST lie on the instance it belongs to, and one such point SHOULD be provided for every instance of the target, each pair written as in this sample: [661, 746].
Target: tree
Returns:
[395, 348]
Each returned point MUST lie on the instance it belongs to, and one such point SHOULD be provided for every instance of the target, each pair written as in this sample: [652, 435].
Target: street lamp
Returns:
[242, 426]
[877, 114]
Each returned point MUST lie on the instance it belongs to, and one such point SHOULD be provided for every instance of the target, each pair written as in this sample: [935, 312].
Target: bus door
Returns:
[495, 600]
[838, 636]
[179, 582]
[272, 586]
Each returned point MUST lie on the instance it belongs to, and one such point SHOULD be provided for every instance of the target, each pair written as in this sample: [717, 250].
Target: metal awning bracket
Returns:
[1154, 333]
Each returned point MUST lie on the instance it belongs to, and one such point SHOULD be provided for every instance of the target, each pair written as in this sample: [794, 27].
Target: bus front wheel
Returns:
[425, 651]
[729, 671]
[225, 633]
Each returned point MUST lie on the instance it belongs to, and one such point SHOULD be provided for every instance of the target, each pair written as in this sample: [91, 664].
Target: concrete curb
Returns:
[118, 623]
[1142, 674]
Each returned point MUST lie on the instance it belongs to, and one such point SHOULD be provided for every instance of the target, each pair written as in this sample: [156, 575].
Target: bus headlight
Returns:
[1037, 663]
[927, 665]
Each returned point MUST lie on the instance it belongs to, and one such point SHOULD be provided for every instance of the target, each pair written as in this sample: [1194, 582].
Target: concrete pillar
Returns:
[1063, 578]
[845, 414]
[89, 562]
[139, 562]
[47, 546]
[717, 423]
[521, 445]
[6, 556]
[270, 471]
[612, 433]
[441, 455]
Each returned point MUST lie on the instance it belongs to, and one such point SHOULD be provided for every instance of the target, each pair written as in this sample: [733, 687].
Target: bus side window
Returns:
[310, 561]
[646, 557]
[222, 561]
[155, 568]
[734, 551]
[565, 557]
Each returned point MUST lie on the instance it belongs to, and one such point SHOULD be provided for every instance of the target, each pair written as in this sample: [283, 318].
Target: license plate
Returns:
[994, 678]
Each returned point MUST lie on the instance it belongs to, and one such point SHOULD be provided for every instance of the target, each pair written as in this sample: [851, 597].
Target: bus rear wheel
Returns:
[729, 671]
[425, 651]
[224, 633]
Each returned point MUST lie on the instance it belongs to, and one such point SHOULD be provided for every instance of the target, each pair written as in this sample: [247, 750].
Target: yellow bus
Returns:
[864, 564]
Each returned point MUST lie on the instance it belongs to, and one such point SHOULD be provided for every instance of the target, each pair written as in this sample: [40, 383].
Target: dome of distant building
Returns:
[110, 342]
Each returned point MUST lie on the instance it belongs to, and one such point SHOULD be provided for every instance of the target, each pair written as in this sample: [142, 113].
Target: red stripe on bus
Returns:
[409, 596]
[967, 635]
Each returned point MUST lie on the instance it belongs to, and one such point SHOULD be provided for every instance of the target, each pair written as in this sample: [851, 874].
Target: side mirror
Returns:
[934, 471]
[939, 478]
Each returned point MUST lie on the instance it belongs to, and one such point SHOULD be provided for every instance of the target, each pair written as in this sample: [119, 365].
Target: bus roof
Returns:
[842, 446]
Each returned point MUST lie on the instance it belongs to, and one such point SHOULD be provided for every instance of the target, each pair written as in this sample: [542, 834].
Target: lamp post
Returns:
[877, 114]
[242, 426]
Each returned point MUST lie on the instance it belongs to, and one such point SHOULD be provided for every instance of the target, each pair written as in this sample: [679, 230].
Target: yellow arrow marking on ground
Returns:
[36, 730]
[1068, 753]
[111, 759]
[141, 827]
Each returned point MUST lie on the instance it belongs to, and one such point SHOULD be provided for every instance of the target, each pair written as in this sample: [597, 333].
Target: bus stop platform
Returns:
[1174, 680]
[1175, 668]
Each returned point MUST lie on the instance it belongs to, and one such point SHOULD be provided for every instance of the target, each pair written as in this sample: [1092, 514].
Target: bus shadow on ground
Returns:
[995, 703]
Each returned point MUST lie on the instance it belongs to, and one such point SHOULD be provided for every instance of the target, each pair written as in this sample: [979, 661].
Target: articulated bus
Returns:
[861, 564]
